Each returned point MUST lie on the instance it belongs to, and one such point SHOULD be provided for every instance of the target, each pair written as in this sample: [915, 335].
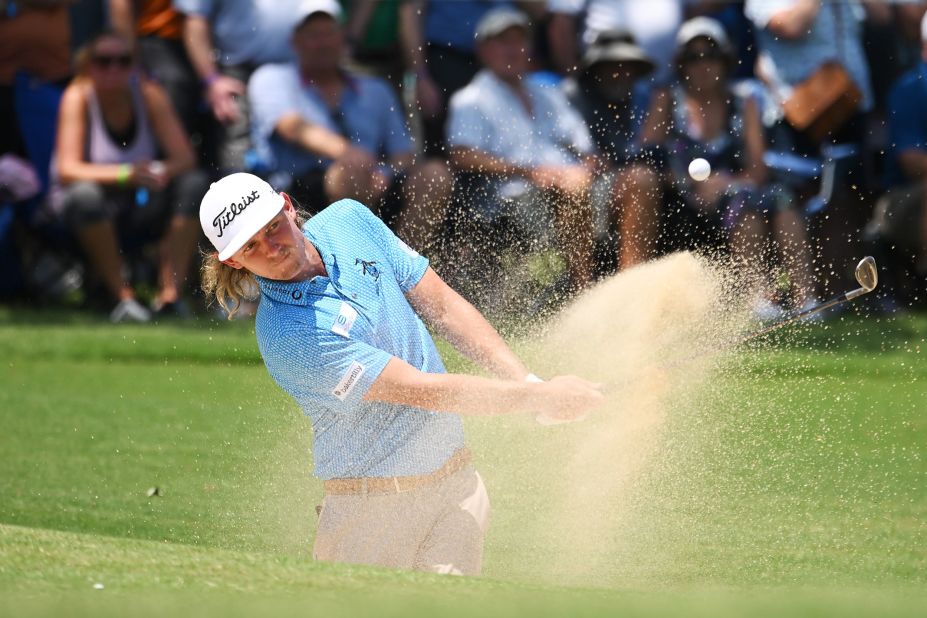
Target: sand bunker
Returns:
[629, 332]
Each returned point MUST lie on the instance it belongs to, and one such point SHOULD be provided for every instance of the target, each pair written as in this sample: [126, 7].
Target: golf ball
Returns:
[699, 169]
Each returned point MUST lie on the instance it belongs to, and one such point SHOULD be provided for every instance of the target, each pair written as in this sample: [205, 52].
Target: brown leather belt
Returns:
[398, 484]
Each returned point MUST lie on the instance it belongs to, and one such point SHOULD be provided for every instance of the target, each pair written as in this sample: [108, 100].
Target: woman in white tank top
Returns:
[122, 160]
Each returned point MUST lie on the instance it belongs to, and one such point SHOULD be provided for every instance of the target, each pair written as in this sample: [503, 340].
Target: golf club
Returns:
[867, 275]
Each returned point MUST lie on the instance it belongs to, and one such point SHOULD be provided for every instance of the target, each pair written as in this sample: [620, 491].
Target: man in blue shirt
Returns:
[340, 134]
[340, 328]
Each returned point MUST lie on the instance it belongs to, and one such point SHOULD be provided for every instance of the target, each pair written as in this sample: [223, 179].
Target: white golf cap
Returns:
[498, 20]
[307, 8]
[924, 28]
[703, 27]
[236, 208]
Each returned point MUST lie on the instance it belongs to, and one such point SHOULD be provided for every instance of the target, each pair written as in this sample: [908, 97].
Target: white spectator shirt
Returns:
[488, 116]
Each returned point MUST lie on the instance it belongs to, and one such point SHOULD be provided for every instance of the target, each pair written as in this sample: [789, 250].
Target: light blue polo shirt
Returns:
[326, 340]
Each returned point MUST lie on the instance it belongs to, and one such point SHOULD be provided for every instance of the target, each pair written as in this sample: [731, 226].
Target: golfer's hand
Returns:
[568, 398]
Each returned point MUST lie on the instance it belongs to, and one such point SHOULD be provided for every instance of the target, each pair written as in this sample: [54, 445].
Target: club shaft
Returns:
[792, 317]
[788, 319]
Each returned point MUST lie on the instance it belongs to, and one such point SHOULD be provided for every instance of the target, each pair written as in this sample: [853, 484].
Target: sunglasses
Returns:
[123, 61]
[694, 56]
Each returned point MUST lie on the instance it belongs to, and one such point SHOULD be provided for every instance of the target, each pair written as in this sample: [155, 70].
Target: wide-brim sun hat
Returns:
[617, 46]
[236, 208]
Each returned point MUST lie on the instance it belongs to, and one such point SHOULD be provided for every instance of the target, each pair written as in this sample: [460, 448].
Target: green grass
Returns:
[793, 482]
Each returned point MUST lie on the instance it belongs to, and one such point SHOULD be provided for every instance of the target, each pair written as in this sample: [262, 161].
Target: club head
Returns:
[867, 274]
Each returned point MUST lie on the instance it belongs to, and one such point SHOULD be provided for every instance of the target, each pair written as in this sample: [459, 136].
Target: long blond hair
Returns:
[230, 287]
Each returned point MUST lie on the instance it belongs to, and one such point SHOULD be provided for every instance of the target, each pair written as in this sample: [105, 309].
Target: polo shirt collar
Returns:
[302, 292]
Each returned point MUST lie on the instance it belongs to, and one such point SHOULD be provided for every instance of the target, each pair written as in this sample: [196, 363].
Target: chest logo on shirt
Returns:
[368, 269]
[348, 380]
[345, 320]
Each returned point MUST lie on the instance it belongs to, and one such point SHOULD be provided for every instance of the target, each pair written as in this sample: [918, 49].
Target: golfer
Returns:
[340, 329]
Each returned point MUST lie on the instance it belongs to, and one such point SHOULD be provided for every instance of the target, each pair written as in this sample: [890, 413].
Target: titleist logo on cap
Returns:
[228, 214]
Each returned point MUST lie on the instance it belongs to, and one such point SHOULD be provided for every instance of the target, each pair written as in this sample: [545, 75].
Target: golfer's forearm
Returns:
[461, 394]
[464, 327]
[469, 332]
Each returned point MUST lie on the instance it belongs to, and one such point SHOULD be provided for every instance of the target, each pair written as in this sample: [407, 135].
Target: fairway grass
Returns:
[796, 482]
[50, 573]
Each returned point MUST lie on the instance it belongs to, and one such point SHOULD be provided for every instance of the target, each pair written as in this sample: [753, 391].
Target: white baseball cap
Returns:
[703, 27]
[924, 28]
[236, 208]
[498, 20]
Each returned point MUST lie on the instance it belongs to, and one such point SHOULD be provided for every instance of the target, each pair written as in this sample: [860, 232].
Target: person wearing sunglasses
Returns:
[123, 171]
[705, 115]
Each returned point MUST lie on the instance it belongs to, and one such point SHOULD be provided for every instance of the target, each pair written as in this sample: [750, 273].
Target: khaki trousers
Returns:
[437, 528]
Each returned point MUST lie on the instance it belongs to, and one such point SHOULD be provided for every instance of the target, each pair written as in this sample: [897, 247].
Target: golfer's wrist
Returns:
[535, 393]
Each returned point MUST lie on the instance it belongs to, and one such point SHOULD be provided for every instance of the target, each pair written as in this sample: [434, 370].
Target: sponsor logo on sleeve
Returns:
[348, 380]
[345, 320]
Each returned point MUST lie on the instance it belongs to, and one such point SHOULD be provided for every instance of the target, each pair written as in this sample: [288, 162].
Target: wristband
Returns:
[122, 176]
[210, 79]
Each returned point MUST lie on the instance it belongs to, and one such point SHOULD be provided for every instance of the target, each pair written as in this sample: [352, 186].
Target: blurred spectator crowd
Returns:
[544, 139]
